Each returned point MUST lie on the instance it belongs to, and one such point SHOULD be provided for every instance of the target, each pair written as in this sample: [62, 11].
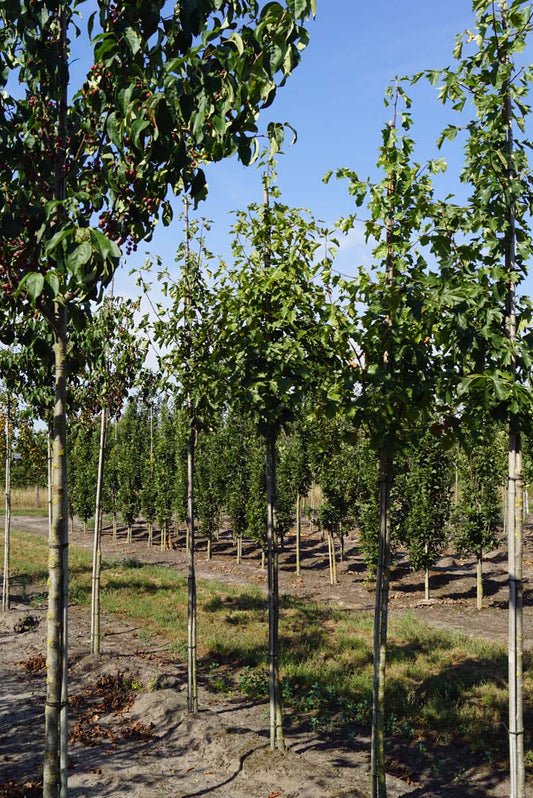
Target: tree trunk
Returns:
[276, 715]
[57, 645]
[514, 496]
[298, 532]
[49, 436]
[97, 548]
[426, 575]
[377, 760]
[332, 560]
[7, 520]
[192, 691]
[479, 581]
[515, 545]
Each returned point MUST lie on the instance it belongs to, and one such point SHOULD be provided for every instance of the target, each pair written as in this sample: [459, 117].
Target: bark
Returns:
[515, 545]
[57, 644]
[426, 576]
[7, 519]
[514, 500]
[479, 581]
[97, 548]
[377, 760]
[49, 437]
[276, 714]
[192, 691]
[332, 560]
[298, 532]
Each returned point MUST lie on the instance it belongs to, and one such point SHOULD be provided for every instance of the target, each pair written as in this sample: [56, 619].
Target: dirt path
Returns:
[130, 740]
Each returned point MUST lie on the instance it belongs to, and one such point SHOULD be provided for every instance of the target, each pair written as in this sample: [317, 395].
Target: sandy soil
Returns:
[129, 739]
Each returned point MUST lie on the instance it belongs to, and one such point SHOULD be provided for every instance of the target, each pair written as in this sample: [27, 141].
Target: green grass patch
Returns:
[442, 688]
[32, 512]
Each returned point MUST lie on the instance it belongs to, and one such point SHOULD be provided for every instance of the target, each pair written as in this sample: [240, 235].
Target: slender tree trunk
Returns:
[426, 575]
[332, 560]
[7, 519]
[479, 581]
[49, 437]
[276, 716]
[298, 532]
[514, 498]
[208, 550]
[514, 525]
[192, 691]
[55, 707]
[97, 548]
[377, 761]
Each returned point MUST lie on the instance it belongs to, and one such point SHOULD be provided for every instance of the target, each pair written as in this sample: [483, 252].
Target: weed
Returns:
[131, 562]
[38, 600]
[154, 683]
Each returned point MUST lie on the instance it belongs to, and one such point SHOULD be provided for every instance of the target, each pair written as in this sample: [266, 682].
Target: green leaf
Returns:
[52, 282]
[133, 39]
[33, 283]
[78, 257]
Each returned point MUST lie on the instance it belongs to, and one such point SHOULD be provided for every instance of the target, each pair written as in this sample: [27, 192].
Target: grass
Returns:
[442, 688]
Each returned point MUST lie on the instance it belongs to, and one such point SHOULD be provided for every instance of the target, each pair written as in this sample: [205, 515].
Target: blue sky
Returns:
[334, 99]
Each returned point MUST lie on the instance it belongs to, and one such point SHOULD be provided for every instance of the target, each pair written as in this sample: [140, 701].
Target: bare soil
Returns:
[127, 740]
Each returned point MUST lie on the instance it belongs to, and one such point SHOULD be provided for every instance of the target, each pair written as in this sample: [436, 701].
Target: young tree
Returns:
[151, 106]
[484, 267]
[165, 470]
[132, 445]
[427, 501]
[83, 458]
[393, 354]
[478, 512]
[294, 477]
[276, 344]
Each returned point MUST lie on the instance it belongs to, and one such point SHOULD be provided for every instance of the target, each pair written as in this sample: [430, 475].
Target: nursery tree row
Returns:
[443, 497]
[433, 339]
